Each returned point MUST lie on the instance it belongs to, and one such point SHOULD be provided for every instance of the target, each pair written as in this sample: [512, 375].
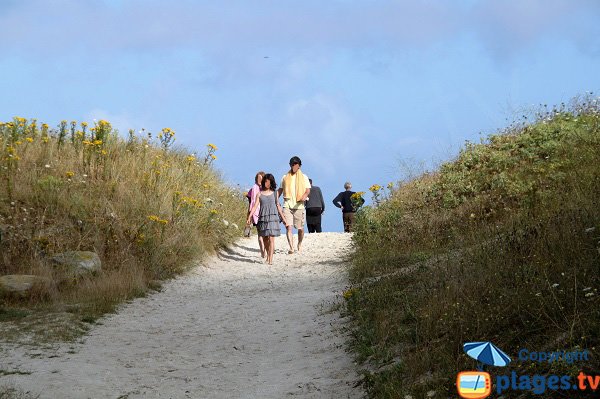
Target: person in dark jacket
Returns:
[344, 201]
[315, 206]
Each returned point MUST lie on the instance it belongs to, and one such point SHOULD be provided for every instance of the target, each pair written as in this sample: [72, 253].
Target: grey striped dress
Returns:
[268, 218]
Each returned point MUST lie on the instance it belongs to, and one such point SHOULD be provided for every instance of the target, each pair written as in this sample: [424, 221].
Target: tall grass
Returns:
[147, 208]
[502, 244]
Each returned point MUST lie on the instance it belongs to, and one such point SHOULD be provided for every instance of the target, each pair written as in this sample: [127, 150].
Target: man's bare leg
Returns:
[290, 238]
[300, 237]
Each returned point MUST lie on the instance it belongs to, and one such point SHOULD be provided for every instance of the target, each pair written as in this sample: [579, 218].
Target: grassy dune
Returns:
[502, 244]
[147, 208]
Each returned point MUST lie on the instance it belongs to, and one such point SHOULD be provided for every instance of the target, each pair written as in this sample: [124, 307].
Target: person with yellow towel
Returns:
[295, 188]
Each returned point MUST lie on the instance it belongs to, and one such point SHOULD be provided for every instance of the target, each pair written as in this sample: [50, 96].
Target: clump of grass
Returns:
[10, 392]
[12, 314]
[146, 207]
[502, 244]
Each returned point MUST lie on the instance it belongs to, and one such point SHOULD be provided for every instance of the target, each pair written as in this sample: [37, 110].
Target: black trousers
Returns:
[313, 219]
[314, 227]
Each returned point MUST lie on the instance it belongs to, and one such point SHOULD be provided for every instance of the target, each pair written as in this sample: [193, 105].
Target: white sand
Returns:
[233, 328]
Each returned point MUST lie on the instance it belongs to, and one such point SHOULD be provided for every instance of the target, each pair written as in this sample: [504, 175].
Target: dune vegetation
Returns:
[501, 244]
[146, 207]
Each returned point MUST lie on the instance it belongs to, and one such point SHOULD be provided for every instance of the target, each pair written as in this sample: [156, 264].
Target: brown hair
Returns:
[261, 174]
[271, 179]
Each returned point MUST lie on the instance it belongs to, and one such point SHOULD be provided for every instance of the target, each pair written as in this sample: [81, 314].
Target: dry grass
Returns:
[148, 209]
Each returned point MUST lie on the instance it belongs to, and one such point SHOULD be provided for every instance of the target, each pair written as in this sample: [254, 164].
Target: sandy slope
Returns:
[233, 328]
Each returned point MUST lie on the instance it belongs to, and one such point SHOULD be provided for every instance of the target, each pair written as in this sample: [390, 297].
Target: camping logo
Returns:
[478, 384]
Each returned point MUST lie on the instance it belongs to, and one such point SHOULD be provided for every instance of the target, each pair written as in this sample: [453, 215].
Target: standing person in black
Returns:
[315, 206]
[344, 201]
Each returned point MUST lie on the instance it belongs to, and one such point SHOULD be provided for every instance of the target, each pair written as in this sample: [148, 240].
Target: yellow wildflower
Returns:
[140, 238]
[212, 146]
[154, 218]
[29, 140]
[349, 293]
[70, 174]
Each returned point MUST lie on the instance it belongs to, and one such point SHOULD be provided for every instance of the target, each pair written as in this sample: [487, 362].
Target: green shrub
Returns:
[501, 245]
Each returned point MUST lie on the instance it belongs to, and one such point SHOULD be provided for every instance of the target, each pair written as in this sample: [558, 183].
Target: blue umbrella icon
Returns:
[486, 353]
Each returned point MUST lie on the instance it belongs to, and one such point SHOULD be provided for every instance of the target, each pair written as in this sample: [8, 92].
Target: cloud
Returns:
[231, 38]
[321, 131]
[509, 26]
[226, 27]
[239, 26]
[235, 26]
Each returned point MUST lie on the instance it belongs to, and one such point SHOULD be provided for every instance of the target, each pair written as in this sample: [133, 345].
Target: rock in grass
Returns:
[78, 263]
[21, 284]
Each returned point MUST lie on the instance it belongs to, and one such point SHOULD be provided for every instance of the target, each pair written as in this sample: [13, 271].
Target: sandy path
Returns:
[233, 328]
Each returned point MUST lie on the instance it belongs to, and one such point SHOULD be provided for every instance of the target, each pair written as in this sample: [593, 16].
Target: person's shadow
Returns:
[247, 248]
[228, 253]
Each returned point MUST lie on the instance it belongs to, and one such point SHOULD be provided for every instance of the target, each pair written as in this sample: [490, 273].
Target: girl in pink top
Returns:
[252, 198]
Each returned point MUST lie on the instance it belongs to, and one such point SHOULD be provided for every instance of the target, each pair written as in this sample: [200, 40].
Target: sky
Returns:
[366, 91]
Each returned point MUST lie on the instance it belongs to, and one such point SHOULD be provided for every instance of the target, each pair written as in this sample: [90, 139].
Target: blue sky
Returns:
[355, 88]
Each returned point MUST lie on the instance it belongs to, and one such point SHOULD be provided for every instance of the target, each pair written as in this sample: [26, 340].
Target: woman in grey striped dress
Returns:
[269, 215]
